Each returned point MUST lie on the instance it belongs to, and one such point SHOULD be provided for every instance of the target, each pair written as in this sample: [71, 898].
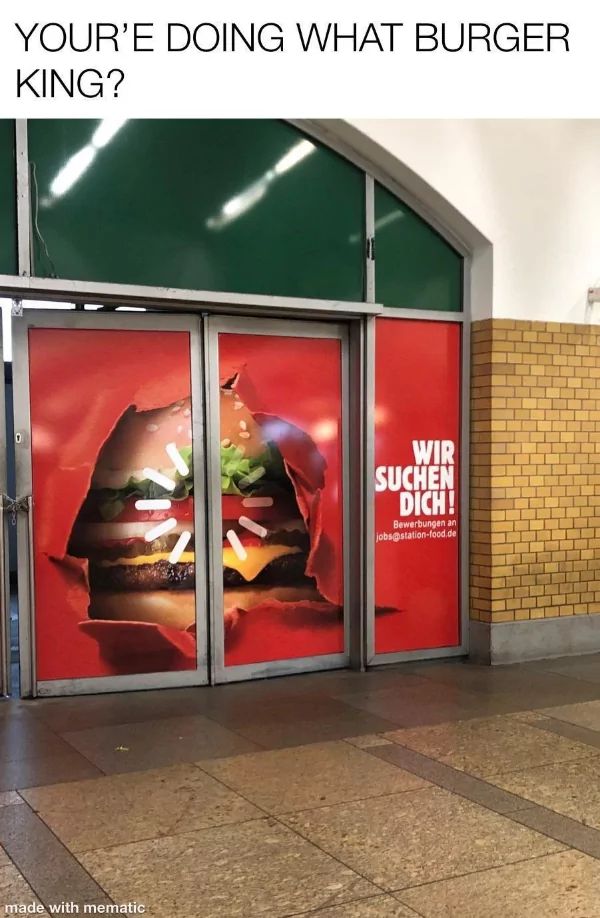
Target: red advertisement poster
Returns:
[281, 497]
[417, 454]
[111, 422]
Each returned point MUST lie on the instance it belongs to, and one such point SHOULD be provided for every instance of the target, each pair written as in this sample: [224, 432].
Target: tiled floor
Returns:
[433, 790]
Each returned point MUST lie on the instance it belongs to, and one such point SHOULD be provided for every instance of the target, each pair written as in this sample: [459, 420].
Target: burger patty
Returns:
[289, 569]
[134, 577]
[129, 548]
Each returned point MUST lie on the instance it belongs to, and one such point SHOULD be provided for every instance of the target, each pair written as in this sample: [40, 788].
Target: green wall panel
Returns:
[8, 205]
[414, 267]
[212, 204]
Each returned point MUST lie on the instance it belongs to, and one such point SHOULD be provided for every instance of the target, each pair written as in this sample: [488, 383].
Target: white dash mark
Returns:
[257, 502]
[237, 546]
[180, 547]
[243, 425]
[158, 478]
[251, 526]
[159, 504]
[161, 529]
[177, 459]
[237, 405]
[252, 477]
[152, 428]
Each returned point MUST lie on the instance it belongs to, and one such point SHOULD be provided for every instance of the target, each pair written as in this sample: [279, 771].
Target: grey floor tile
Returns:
[118, 809]
[21, 737]
[284, 780]
[46, 769]
[569, 730]
[565, 830]
[585, 714]
[458, 782]
[67, 714]
[45, 863]
[10, 798]
[4, 858]
[255, 868]
[15, 891]
[490, 746]
[429, 703]
[279, 709]
[281, 732]
[417, 837]
[561, 885]
[368, 740]
[154, 744]
[585, 667]
[493, 680]
[570, 788]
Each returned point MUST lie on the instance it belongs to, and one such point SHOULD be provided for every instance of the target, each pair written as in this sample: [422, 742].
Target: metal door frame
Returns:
[32, 318]
[5, 640]
[214, 326]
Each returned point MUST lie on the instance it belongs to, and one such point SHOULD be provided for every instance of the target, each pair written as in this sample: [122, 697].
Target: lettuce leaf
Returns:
[112, 502]
[235, 467]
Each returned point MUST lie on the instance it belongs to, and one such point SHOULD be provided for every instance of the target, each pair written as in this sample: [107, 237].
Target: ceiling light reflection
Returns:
[254, 193]
[81, 161]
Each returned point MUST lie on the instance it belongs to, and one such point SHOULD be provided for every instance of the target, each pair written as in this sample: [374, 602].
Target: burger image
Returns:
[266, 542]
[135, 527]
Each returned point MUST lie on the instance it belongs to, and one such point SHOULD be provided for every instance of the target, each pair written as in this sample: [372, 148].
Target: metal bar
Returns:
[354, 536]
[348, 508]
[415, 656]
[103, 684]
[22, 427]
[214, 526]
[248, 671]
[197, 389]
[425, 315]
[465, 462]
[31, 566]
[72, 291]
[368, 487]
[5, 661]
[24, 233]
[370, 238]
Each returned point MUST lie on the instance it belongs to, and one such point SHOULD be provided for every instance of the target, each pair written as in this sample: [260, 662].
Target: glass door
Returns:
[109, 465]
[277, 429]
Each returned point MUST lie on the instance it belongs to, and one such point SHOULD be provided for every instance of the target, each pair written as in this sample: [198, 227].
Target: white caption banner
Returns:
[264, 59]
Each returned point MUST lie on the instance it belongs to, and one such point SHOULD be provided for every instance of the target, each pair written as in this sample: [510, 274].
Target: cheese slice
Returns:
[257, 558]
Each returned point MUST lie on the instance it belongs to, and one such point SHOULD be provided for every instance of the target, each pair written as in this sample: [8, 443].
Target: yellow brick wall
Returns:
[535, 470]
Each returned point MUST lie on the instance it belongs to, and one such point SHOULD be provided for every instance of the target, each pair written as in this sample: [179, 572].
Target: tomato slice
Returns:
[182, 510]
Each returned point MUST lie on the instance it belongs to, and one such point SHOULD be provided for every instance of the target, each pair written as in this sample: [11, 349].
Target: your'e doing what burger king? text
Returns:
[427, 487]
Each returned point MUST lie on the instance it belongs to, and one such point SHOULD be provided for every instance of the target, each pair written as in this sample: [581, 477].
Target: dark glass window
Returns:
[228, 205]
[8, 201]
[414, 267]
